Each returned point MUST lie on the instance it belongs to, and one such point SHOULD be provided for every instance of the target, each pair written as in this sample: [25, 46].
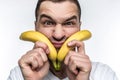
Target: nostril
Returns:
[59, 39]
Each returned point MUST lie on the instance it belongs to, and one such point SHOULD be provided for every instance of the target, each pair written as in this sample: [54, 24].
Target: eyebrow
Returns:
[44, 15]
[73, 17]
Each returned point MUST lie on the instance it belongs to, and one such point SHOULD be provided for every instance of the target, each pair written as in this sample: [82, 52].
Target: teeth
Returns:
[55, 57]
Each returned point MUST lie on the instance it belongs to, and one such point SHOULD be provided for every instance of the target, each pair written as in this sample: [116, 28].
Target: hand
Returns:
[78, 63]
[34, 64]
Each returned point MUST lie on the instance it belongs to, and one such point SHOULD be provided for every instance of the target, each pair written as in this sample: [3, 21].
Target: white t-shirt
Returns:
[99, 72]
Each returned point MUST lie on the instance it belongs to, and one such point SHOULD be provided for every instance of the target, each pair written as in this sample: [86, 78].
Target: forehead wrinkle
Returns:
[54, 16]
[57, 12]
[59, 20]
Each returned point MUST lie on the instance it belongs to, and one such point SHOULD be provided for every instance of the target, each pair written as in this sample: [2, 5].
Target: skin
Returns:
[57, 21]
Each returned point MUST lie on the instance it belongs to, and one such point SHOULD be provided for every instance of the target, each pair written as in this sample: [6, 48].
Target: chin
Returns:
[57, 48]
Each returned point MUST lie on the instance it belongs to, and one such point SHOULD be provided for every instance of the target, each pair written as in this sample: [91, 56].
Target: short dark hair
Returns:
[74, 1]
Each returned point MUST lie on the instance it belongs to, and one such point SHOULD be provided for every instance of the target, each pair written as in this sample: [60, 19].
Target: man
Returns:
[58, 20]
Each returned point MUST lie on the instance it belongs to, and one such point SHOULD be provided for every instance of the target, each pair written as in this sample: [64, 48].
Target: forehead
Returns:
[58, 9]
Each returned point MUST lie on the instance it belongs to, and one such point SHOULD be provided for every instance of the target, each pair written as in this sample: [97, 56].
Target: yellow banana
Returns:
[34, 36]
[56, 59]
[80, 35]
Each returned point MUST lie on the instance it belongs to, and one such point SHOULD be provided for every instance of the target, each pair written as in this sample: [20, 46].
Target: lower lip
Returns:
[57, 45]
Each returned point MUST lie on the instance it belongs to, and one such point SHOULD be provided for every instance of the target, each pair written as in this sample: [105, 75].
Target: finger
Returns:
[45, 69]
[70, 53]
[84, 66]
[25, 67]
[73, 66]
[78, 56]
[35, 60]
[33, 63]
[77, 62]
[30, 61]
[82, 63]
[40, 62]
[78, 44]
[41, 45]
[42, 54]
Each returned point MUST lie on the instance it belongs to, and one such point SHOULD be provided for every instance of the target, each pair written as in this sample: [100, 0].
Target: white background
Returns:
[101, 17]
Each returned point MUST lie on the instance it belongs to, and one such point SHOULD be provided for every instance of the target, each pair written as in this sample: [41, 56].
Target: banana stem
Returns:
[54, 64]
[57, 65]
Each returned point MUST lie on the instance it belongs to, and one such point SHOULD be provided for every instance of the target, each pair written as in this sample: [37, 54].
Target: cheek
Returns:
[43, 30]
[70, 32]
[46, 32]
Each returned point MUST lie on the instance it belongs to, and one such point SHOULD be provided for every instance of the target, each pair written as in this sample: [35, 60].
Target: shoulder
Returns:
[15, 74]
[100, 66]
[102, 72]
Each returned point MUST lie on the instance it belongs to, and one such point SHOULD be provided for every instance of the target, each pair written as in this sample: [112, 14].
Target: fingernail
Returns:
[69, 43]
[47, 51]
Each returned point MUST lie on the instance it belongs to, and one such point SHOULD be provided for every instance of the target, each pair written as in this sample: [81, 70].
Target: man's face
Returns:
[58, 21]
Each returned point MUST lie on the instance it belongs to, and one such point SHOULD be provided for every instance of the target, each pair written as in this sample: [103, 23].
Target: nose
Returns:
[58, 33]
